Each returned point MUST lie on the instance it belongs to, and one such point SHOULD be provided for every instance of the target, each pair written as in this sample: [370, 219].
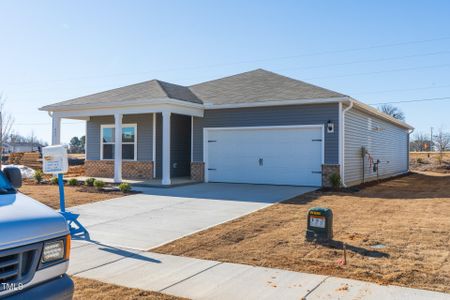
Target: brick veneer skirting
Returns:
[130, 169]
[198, 171]
[327, 171]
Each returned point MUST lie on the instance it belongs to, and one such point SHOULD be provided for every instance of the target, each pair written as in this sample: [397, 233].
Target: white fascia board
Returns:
[371, 110]
[137, 109]
[131, 103]
[277, 103]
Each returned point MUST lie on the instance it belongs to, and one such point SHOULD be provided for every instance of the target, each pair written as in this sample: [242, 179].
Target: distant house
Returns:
[21, 147]
[256, 127]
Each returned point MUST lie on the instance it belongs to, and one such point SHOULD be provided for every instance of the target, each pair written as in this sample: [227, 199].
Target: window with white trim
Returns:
[129, 142]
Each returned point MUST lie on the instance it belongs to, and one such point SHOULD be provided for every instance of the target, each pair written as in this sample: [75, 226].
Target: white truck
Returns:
[34, 245]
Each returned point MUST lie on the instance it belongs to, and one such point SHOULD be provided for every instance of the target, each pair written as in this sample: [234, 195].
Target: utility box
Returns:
[320, 225]
[54, 159]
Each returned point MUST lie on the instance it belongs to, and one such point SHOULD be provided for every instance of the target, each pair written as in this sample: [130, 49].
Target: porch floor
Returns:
[157, 182]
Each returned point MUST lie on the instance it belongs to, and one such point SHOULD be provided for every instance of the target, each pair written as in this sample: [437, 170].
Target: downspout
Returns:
[343, 142]
[409, 143]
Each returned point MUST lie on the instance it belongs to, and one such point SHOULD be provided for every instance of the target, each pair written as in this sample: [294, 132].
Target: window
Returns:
[129, 141]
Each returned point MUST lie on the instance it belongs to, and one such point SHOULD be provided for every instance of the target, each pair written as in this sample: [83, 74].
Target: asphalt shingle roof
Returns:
[256, 86]
[253, 86]
[153, 89]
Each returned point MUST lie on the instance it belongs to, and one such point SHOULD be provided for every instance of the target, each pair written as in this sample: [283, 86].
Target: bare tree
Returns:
[442, 143]
[420, 142]
[6, 124]
[392, 111]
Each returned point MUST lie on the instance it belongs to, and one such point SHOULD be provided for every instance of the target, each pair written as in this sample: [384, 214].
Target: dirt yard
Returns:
[397, 232]
[75, 195]
[430, 162]
[96, 290]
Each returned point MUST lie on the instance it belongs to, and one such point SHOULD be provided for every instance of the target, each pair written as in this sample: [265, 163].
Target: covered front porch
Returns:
[151, 145]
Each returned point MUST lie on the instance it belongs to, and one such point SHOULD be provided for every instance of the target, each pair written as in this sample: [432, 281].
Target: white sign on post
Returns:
[55, 159]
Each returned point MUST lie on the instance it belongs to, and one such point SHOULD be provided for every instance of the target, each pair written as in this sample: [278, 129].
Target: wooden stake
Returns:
[345, 254]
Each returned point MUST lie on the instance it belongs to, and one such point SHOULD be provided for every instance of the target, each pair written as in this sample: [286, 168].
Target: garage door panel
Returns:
[289, 155]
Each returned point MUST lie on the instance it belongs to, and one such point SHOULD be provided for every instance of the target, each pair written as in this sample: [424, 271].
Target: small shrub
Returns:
[89, 182]
[335, 180]
[125, 187]
[54, 180]
[420, 160]
[38, 176]
[99, 184]
[72, 182]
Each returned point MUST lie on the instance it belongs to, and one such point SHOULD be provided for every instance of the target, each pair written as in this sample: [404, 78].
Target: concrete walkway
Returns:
[161, 215]
[203, 279]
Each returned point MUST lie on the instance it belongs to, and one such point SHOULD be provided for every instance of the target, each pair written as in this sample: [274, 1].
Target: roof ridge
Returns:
[158, 82]
[225, 77]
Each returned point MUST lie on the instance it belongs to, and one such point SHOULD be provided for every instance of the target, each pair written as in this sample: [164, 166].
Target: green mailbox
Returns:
[320, 225]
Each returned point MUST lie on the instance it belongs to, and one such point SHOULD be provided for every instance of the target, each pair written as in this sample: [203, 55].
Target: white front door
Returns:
[282, 155]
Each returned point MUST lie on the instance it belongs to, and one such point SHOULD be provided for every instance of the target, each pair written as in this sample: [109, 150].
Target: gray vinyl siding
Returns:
[383, 140]
[144, 134]
[271, 116]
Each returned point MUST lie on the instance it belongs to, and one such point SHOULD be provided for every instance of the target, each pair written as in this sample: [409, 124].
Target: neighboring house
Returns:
[14, 147]
[256, 127]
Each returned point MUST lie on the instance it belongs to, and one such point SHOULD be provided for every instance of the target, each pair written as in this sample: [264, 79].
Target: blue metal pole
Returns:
[62, 205]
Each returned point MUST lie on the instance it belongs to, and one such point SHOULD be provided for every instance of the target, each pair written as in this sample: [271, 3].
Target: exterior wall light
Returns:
[330, 127]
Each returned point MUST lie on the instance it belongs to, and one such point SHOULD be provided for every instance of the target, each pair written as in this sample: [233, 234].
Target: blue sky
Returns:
[380, 51]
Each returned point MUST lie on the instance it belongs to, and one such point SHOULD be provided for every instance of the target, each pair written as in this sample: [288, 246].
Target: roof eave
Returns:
[136, 102]
[380, 114]
[277, 103]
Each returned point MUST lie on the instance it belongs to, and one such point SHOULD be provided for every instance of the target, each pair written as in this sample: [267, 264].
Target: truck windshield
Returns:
[5, 185]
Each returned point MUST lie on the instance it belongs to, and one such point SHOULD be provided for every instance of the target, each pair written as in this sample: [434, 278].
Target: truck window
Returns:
[5, 185]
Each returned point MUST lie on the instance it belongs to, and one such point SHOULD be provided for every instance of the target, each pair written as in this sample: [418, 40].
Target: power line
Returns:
[313, 78]
[379, 103]
[403, 90]
[251, 61]
[376, 60]
[45, 123]
[381, 72]
[414, 100]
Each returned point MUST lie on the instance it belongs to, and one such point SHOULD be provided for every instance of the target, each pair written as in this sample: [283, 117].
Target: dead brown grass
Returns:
[96, 290]
[74, 195]
[430, 162]
[409, 215]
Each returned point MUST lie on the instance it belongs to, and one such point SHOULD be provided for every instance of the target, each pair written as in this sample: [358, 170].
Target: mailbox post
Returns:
[55, 162]
[320, 225]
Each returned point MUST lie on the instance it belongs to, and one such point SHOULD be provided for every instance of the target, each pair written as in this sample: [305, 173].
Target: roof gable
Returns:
[153, 89]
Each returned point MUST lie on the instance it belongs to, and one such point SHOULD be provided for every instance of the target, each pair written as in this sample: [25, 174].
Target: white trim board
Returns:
[154, 144]
[195, 109]
[134, 125]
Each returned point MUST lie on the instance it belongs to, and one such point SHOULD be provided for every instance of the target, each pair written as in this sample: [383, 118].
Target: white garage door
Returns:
[269, 155]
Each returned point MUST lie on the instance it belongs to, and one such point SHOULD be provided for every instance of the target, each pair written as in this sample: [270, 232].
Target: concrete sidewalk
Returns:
[202, 279]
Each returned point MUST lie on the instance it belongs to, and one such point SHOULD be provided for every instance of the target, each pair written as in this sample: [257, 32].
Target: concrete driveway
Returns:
[160, 215]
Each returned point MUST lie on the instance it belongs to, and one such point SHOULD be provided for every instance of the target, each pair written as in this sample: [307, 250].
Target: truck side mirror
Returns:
[14, 176]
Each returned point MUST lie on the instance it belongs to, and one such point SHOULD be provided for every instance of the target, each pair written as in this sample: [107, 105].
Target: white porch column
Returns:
[166, 148]
[118, 148]
[56, 130]
[154, 145]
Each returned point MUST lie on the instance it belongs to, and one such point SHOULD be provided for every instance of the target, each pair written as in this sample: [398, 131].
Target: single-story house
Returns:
[256, 127]
[14, 147]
